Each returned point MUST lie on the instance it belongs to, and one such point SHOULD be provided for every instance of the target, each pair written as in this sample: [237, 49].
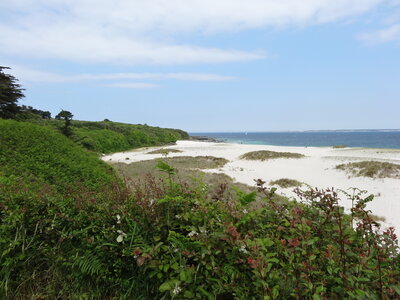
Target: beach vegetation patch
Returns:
[373, 169]
[266, 155]
[164, 151]
[186, 165]
[286, 183]
[339, 146]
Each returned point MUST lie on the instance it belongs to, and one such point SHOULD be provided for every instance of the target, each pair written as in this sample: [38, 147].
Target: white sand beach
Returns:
[316, 169]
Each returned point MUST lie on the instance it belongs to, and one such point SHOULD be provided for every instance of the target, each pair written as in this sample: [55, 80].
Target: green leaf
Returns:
[396, 288]
[164, 167]
[205, 293]
[265, 242]
[244, 198]
[169, 285]
[275, 291]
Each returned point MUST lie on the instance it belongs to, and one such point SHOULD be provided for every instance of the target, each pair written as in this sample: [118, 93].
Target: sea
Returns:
[389, 139]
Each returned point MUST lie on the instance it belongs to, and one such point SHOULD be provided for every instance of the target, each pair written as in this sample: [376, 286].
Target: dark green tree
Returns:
[67, 117]
[10, 93]
[28, 111]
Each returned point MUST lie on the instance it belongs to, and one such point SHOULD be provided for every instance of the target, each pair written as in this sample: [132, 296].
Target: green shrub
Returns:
[286, 183]
[169, 241]
[265, 155]
[164, 151]
[373, 169]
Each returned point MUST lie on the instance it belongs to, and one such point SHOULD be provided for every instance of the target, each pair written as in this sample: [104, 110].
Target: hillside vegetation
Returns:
[42, 154]
[107, 136]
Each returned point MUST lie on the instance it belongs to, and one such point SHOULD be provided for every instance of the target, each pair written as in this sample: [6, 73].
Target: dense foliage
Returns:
[10, 93]
[107, 137]
[40, 153]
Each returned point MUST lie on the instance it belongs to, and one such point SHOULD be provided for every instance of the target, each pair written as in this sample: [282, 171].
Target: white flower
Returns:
[245, 211]
[118, 219]
[243, 249]
[192, 233]
[202, 230]
[176, 290]
[178, 217]
[121, 236]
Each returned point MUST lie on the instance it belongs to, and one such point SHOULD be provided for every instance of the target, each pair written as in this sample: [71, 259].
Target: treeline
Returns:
[101, 137]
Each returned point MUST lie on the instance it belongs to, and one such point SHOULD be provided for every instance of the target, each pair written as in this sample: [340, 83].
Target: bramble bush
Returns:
[167, 240]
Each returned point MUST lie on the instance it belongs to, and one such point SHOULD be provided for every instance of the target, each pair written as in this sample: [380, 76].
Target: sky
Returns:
[209, 66]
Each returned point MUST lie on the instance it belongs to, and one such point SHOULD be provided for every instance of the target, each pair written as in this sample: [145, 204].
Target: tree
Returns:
[28, 111]
[67, 117]
[10, 93]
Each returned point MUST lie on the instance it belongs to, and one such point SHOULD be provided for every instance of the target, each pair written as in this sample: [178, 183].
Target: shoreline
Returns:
[273, 145]
[317, 169]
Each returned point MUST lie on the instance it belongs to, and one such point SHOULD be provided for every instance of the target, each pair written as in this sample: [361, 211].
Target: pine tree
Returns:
[10, 93]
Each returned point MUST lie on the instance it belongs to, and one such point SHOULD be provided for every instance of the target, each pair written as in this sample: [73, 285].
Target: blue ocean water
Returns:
[368, 138]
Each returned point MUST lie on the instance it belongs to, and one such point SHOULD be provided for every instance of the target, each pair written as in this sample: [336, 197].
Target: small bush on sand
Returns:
[164, 151]
[373, 169]
[339, 146]
[286, 183]
[180, 162]
[265, 155]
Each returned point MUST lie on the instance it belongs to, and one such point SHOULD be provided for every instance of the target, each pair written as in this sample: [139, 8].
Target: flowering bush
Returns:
[169, 241]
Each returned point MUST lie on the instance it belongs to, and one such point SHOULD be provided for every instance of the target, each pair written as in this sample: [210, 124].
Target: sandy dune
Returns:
[316, 169]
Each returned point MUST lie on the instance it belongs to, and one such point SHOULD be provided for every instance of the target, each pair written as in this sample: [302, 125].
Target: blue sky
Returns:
[202, 65]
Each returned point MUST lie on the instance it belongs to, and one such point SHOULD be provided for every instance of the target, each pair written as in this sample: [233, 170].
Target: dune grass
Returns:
[373, 169]
[186, 165]
[164, 151]
[286, 183]
[266, 155]
[339, 146]
[189, 172]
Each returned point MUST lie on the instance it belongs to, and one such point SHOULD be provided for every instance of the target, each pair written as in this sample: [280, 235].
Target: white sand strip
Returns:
[316, 169]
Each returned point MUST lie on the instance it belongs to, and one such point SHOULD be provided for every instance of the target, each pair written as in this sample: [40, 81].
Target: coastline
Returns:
[316, 169]
[385, 139]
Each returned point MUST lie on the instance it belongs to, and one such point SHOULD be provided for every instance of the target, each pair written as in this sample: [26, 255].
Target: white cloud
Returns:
[389, 34]
[133, 85]
[33, 75]
[149, 32]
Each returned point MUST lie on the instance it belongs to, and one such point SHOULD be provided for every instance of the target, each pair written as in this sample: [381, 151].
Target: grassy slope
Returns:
[40, 153]
[107, 137]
